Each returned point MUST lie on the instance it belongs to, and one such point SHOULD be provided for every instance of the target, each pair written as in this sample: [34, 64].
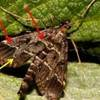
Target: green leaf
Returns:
[83, 84]
[53, 12]
[90, 30]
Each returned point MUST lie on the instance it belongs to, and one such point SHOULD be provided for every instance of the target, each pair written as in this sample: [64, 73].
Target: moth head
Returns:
[65, 26]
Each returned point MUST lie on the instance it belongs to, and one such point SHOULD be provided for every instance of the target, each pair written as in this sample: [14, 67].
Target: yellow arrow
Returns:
[9, 62]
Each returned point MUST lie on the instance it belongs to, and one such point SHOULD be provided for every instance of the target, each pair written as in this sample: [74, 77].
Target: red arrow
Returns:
[41, 35]
[8, 39]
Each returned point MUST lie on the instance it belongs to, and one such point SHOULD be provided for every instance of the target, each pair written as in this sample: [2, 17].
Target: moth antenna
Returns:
[41, 21]
[41, 35]
[43, 24]
[34, 22]
[76, 50]
[84, 14]
[5, 33]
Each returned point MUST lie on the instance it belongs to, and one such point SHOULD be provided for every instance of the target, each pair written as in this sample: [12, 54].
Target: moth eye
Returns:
[40, 43]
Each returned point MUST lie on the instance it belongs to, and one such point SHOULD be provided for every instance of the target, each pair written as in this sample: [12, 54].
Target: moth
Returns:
[47, 60]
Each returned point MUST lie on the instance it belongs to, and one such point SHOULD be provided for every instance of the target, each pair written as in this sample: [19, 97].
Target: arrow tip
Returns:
[10, 61]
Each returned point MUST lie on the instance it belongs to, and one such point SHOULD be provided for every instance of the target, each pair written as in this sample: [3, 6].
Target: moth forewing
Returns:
[47, 58]
[48, 67]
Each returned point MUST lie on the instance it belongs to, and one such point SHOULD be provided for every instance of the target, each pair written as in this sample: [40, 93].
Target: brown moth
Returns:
[47, 59]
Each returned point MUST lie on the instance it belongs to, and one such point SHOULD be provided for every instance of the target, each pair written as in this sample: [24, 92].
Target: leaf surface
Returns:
[83, 84]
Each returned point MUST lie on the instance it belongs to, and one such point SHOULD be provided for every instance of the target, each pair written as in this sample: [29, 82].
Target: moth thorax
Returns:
[65, 26]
